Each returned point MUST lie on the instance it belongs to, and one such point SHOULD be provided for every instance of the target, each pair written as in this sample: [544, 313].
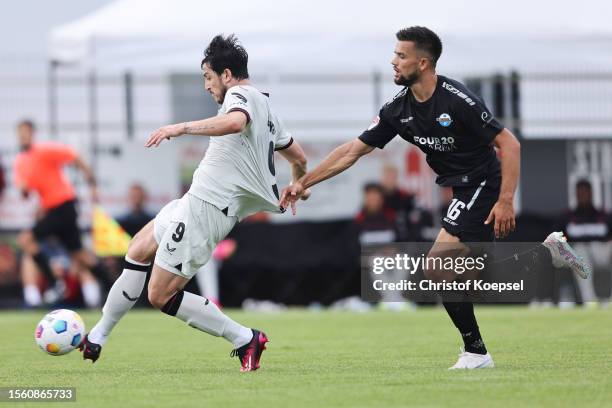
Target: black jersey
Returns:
[586, 224]
[453, 128]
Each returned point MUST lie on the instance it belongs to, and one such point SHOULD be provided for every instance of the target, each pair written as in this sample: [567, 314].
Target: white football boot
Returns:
[563, 255]
[470, 361]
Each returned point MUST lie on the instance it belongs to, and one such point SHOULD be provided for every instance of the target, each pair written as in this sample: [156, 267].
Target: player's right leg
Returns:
[125, 291]
[563, 255]
[29, 278]
[28, 241]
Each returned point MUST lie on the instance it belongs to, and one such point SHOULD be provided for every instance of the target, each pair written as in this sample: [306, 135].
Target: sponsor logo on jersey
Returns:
[457, 92]
[441, 144]
[444, 120]
[486, 118]
[406, 120]
[242, 98]
[374, 123]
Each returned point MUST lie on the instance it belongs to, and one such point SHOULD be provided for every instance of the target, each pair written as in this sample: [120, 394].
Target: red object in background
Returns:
[413, 162]
[72, 283]
[8, 264]
[224, 249]
[41, 169]
[73, 288]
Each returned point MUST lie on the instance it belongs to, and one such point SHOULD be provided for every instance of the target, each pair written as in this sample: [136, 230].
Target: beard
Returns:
[222, 95]
[409, 80]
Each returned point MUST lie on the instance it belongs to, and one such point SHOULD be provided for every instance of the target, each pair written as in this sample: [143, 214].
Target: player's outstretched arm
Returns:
[336, 162]
[503, 210]
[225, 124]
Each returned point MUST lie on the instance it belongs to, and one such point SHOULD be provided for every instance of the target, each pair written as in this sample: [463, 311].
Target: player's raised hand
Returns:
[162, 133]
[503, 214]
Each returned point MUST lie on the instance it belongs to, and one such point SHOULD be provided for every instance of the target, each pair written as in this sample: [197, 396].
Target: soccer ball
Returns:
[59, 332]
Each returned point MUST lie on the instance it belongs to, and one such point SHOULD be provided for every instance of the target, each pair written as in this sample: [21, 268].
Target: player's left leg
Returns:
[474, 354]
[464, 224]
[85, 259]
[166, 294]
[126, 290]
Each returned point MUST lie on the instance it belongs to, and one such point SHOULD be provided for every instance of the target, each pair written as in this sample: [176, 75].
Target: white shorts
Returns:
[187, 231]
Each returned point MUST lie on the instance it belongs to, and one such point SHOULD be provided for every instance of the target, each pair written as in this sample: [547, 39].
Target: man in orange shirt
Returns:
[39, 168]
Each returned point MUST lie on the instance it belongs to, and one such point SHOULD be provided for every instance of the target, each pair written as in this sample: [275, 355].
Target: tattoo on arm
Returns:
[197, 129]
[297, 171]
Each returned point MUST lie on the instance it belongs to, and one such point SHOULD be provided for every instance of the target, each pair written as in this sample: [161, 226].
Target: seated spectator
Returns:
[412, 222]
[590, 229]
[137, 216]
[375, 221]
[586, 223]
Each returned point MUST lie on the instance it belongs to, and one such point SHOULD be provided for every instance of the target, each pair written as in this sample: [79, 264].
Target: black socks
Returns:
[173, 304]
[462, 315]
[42, 262]
[533, 260]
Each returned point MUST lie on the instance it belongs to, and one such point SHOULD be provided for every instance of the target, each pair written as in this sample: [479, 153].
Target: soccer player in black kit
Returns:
[458, 133]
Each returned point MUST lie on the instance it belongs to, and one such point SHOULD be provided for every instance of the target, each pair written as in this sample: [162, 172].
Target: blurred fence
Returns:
[100, 113]
[565, 122]
[105, 107]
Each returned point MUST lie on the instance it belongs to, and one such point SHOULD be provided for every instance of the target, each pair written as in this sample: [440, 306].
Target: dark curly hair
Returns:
[424, 39]
[227, 53]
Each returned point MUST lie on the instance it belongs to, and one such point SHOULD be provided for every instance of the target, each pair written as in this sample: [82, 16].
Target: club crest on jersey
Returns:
[444, 120]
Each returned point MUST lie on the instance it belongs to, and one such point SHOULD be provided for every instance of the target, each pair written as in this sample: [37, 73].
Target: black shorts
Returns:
[470, 208]
[60, 222]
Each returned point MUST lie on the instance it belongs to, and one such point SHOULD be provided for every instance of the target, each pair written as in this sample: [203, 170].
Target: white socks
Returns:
[91, 294]
[208, 280]
[122, 296]
[196, 311]
[32, 296]
[204, 315]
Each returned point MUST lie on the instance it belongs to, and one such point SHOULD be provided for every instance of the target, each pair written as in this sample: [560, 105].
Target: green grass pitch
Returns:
[328, 359]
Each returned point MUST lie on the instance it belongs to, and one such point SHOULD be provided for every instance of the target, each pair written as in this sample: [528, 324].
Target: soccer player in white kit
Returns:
[236, 178]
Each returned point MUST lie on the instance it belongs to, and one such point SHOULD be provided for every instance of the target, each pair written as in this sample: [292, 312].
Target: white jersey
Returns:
[237, 173]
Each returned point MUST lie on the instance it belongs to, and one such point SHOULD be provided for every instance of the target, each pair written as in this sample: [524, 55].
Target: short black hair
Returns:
[373, 187]
[27, 122]
[424, 39]
[227, 53]
[584, 183]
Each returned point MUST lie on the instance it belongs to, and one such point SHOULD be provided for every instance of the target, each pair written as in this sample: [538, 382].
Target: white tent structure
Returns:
[294, 35]
[318, 59]
[351, 40]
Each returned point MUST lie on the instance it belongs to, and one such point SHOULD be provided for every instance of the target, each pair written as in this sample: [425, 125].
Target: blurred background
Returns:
[101, 75]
